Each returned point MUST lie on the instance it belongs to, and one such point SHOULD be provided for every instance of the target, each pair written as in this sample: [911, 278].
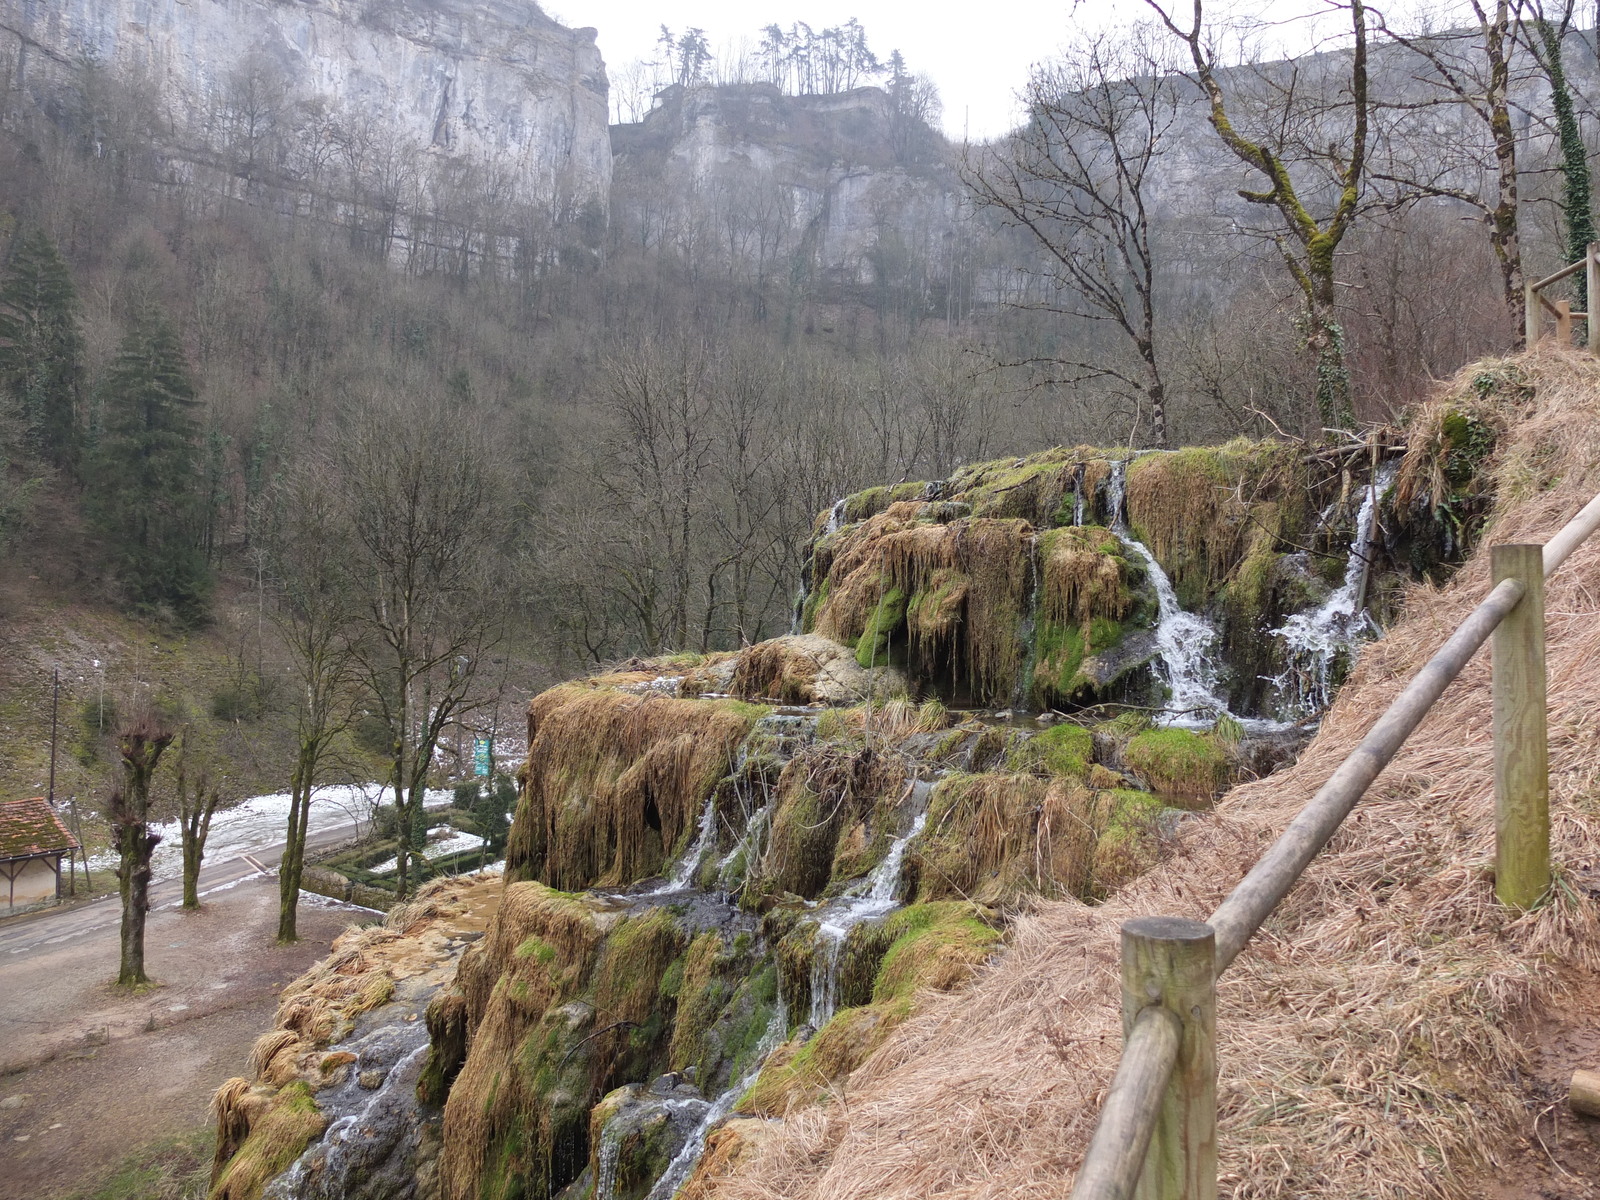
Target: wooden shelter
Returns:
[33, 842]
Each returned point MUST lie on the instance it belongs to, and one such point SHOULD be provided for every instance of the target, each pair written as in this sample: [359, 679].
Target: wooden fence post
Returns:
[1521, 743]
[1591, 279]
[1530, 315]
[1171, 962]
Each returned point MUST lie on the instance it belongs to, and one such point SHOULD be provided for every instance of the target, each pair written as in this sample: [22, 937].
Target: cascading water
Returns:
[684, 1162]
[1184, 640]
[1030, 619]
[683, 871]
[877, 899]
[1314, 642]
[605, 1187]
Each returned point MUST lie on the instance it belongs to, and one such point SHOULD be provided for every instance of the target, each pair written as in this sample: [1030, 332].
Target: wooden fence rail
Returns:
[1535, 303]
[1156, 1139]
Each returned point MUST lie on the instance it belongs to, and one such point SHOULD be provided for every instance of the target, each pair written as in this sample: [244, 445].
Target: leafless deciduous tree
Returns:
[1075, 176]
[423, 489]
[1470, 71]
[309, 545]
[1312, 174]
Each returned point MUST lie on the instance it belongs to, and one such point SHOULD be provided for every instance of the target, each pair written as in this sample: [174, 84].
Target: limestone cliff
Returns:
[280, 92]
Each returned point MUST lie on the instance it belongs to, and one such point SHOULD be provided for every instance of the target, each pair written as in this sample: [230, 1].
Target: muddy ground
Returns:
[89, 1076]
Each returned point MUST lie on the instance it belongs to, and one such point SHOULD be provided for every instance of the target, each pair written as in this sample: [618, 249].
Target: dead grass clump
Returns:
[277, 1136]
[962, 585]
[1195, 508]
[615, 782]
[980, 838]
[275, 1056]
[235, 1106]
[1374, 1037]
[1084, 575]
[773, 671]
[822, 792]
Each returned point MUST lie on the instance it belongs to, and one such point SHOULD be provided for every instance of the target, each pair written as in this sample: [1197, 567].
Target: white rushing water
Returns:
[1314, 641]
[833, 927]
[610, 1152]
[683, 871]
[1184, 640]
[683, 1163]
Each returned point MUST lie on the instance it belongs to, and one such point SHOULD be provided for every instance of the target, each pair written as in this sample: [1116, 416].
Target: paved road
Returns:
[103, 917]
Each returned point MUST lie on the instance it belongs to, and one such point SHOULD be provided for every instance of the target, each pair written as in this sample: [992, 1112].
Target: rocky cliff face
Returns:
[843, 183]
[285, 90]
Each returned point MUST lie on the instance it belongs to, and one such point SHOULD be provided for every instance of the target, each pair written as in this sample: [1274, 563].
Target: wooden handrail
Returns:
[1125, 1158]
[1534, 300]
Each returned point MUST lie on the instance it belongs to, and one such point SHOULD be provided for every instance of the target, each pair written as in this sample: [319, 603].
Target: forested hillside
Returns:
[789, 288]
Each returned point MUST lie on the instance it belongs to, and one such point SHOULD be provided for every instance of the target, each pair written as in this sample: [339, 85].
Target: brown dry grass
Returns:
[972, 576]
[1367, 1036]
[614, 780]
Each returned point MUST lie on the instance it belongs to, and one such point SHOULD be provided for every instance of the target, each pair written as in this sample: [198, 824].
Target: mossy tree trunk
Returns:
[1576, 209]
[1307, 244]
[141, 747]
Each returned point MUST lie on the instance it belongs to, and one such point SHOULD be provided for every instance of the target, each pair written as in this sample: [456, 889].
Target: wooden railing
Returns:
[1157, 1137]
[1534, 303]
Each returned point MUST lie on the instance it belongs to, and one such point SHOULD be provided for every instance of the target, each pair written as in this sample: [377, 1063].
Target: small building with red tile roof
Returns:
[33, 841]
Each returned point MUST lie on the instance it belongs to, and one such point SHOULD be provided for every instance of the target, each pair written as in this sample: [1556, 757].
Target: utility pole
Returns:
[55, 709]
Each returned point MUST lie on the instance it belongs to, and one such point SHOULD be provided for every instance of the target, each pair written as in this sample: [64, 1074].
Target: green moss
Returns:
[1065, 750]
[537, 949]
[1179, 762]
[278, 1137]
[1061, 649]
[816, 598]
[873, 647]
[934, 945]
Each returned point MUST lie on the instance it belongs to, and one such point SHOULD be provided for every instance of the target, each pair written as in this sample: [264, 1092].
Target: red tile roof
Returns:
[31, 827]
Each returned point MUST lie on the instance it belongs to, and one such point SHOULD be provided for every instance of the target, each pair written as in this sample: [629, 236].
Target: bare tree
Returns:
[1301, 158]
[1076, 178]
[307, 534]
[422, 484]
[1469, 70]
[195, 809]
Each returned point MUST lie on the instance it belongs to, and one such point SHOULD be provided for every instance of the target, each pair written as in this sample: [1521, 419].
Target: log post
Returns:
[1591, 278]
[1530, 315]
[1521, 743]
[1563, 322]
[1170, 962]
[1583, 1093]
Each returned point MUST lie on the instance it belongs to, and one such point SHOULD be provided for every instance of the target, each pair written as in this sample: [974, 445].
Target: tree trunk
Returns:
[191, 868]
[293, 851]
[1503, 220]
[1325, 339]
[135, 843]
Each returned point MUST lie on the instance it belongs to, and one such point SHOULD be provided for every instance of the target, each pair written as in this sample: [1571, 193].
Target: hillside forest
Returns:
[302, 403]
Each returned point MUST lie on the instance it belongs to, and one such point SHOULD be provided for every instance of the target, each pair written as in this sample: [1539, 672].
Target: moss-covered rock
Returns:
[1188, 766]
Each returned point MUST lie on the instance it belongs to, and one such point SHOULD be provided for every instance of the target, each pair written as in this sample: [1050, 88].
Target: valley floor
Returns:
[88, 1076]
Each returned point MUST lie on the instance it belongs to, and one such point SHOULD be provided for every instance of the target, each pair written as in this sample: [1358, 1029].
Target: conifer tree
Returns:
[145, 499]
[41, 350]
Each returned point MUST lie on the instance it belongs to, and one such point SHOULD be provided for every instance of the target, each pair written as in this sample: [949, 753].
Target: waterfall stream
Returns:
[1184, 640]
[684, 1162]
[877, 898]
[1314, 641]
[605, 1187]
[683, 871]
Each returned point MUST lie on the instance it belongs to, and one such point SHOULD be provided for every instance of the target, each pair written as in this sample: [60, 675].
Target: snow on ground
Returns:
[453, 844]
[258, 823]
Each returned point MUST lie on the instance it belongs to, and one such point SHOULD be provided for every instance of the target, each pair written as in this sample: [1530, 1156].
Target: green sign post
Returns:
[480, 757]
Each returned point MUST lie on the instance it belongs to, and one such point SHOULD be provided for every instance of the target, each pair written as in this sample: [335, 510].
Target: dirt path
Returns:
[88, 1075]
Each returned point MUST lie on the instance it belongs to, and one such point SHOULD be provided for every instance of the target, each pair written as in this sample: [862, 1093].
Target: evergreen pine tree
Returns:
[41, 350]
[145, 498]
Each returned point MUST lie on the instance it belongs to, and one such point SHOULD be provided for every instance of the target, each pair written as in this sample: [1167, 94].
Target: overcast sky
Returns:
[977, 54]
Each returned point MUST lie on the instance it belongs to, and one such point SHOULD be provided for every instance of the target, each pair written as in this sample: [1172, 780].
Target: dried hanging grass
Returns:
[1368, 1036]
